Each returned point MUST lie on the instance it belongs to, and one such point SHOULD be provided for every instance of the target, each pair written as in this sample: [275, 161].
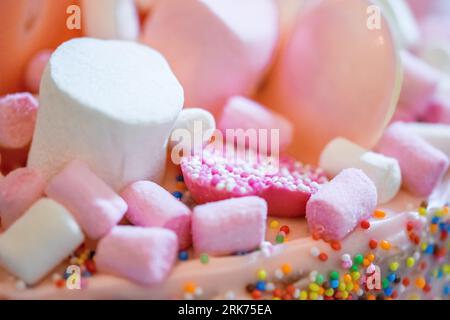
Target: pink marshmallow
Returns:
[35, 69]
[421, 164]
[419, 85]
[143, 255]
[438, 111]
[229, 226]
[150, 205]
[216, 48]
[17, 119]
[95, 206]
[18, 191]
[245, 114]
[337, 208]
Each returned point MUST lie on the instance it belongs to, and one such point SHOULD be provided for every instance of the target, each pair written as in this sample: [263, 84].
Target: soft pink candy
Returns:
[18, 191]
[421, 164]
[150, 205]
[95, 206]
[143, 255]
[17, 120]
[35, 69]
[438, 110]
[245, 114]
[336, 209]
[229, 226]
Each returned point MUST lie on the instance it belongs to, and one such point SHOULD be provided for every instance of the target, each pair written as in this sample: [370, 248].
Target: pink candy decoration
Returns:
[150, 205]
[95, 206]
[18, 191]
[143, 255]
[337, 208]
[243, 113]
[17, 119]
[229, 226]
[35, 69]
[215, 177]
[421, 164]
[438, 111]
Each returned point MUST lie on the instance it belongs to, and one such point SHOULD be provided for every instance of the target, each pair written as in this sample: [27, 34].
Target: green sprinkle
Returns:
[358, 259]
[279, 238]
[204, 258]
[319, 279]
[334, 275]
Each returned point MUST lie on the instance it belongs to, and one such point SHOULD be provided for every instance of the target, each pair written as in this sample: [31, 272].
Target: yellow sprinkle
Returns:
[414, 296]
[313, 295]
[349, 286]
[314, 287]
[329, 292]
[422, 211]
[344, 295]
[356, 275]
[274, 224]
[385, 245]
[262, 274]
[341, 286]
[410, 261]
[303, 295]
[286, 268]
[379, 214]
[394, 266]
[423, 246]
[276, 298]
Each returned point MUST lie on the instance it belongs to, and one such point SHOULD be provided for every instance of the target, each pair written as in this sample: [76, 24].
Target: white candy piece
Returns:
[196, 122]
[111, 104]
[110, 19]
[438, 135]
[44, 236]
[384, 171]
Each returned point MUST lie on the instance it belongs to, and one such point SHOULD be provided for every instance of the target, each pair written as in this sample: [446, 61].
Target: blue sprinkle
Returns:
[435, 220]
[177, 194]
[261, 285]
[447, 290]
[183, 255]
[440, 274]
[442, 226]
[391, 277]
[429, 249]
[334, 284]
[388, 291]
[180, 178]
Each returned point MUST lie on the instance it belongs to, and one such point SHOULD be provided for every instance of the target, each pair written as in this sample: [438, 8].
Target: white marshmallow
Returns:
[110, 19]
[384, 171]
[438, 135]
[199, 123]
[39, 240]
[111, 104]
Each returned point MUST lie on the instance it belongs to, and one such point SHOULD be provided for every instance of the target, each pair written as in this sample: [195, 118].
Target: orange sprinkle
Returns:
[420, 282]
[379, 214]
[190, 287]
[433, 228]
[335, 245]
[321, 291]
[370, 257]
[316, 235]
[371, 297]
[355, 286]
[446, 210]
[348, 278]
[286, 268]
[256, 294]
[323, 256]
[366, 262]
[385, 245]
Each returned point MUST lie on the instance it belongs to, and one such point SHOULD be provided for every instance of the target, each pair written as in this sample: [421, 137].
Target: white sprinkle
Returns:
[220, 186]
[279, 274]
[296, 294]
[270, 286]
[346, 257]
[401, 288]
[313, 276]
[188, 296]
[198, 292]
[416, 255]
[315, 251]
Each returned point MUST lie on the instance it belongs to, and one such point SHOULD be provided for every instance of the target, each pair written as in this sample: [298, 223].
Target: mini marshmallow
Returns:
[18, 191]
[419, 85]
[110, 19]
[44, 236]
[439, 110]
[150, 205]
[95, 206]
[384, 172]
[198, 123]
[438, 135]
[245, 114]
[119, 101]
[143, 255]
[421, 164]
[337, 208]
[35, 69]
[17, 120]
[229, 226]
[217, 48]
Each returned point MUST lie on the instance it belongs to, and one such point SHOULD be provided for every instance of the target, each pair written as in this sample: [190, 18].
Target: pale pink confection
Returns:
[438, 111]
[17, 120]
[143, 255]
[337, 208]
[35, 69]
[421, 164]
[229, 226]
[419, 85]
[246, 114]
[285, 185]
[18, 191]
[150, 205]
[216, 48]
[95, 206]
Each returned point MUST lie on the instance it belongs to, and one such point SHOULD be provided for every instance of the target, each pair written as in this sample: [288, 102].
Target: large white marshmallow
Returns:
[110, 19]
[438, 135]
[217, 48]
[384, 171]
[111, 104]
[44, 236]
